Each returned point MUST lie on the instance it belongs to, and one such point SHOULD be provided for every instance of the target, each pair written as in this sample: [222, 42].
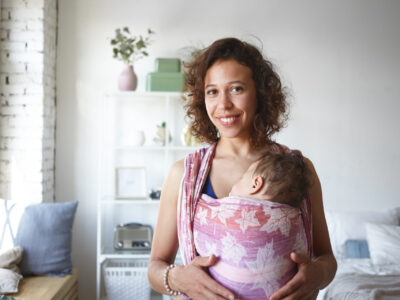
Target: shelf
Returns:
[124, 112]
[138, 95]
[157, 148]
[113, 200]
[140, 148]
[111, 253]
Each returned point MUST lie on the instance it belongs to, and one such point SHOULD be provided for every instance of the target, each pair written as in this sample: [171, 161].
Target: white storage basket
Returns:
[126, 279]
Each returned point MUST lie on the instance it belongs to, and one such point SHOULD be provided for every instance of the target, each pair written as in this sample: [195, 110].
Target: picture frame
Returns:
[130, 183]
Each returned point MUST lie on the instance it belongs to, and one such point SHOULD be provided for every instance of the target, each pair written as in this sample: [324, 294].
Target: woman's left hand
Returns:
[304, 285]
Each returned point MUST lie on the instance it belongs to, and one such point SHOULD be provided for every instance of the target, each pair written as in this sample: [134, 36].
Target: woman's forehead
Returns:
[225, 71]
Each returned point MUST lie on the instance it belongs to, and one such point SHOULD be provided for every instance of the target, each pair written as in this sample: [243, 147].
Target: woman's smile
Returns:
[228, 120]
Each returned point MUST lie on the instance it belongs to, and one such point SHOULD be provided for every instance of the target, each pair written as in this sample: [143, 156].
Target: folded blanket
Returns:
[252, 239]
[363, 287]
[10, 258]
[9, 272]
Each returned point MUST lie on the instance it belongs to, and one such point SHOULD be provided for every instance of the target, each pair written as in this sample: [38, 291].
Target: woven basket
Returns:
[126, 279]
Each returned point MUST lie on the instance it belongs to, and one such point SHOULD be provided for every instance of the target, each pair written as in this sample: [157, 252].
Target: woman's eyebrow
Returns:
[237, 81]
[208, 85]
[230, 82]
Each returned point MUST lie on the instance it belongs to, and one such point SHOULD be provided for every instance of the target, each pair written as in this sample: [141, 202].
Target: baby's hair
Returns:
[287, 176]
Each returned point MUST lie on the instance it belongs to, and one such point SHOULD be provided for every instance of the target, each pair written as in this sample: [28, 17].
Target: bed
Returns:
[367, 248]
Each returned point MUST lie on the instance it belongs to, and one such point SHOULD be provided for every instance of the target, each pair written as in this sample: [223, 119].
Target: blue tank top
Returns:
[207, 188]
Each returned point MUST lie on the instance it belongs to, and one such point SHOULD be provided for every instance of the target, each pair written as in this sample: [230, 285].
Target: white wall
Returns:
[339, 59]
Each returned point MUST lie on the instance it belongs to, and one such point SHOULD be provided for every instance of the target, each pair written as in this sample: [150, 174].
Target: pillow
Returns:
[384, 243]
[345, 226]
[10, 258]
[45, 234]
[357, 249]
[9, 281]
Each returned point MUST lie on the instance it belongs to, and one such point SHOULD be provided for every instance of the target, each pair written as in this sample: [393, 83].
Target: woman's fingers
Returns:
[217, 289]
[301, 285]
[300, 258]
[210, 295]
[206, 261]
[289, 288]
[205, 287]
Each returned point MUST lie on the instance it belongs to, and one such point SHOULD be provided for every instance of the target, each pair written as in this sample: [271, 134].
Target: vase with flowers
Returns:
[129, 48]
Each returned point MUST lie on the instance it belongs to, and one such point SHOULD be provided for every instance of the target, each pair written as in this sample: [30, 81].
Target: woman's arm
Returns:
[191, 279]
[165, 239]
[315, 273]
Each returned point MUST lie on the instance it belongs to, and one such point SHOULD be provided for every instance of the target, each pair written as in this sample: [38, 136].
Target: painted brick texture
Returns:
[28, 31]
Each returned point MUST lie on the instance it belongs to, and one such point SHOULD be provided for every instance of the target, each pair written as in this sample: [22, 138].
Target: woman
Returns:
[236, 103]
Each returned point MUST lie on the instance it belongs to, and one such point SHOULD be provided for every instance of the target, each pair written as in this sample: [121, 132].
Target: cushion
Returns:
[10, 258]
[384, 243]
[45, 234]
[9, 281]
[349, 225]
[357, 249]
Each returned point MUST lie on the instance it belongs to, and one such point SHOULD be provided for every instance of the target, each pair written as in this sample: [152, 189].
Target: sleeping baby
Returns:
[253, 230]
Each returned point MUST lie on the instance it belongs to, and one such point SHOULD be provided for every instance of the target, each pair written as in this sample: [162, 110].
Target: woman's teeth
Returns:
[226, 120]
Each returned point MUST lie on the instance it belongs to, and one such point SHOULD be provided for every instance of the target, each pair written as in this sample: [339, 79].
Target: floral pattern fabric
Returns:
[252, 244]
[252, 238]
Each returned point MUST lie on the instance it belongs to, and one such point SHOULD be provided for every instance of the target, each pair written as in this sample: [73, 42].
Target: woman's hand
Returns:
[305, 284]
[194, 281]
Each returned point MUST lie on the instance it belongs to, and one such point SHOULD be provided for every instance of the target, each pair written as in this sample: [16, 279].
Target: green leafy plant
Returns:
[130, 48]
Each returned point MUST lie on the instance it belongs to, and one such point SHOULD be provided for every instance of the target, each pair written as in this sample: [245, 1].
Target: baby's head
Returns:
[279, 177]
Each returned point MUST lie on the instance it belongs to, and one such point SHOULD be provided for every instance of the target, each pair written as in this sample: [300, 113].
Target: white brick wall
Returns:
[27, 99]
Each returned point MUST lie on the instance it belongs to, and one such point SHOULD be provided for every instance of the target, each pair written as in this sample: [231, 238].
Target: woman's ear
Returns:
[257, 183]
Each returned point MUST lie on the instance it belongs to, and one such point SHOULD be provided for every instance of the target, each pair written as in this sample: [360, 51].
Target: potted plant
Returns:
[129, 48]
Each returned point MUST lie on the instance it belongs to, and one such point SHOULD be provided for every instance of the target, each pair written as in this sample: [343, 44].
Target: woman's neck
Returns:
[236, 147]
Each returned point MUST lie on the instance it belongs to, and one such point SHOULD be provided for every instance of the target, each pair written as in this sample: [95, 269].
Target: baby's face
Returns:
[243, 186]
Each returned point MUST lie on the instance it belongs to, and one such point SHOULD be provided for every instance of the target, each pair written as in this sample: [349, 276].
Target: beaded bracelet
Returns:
[165, 276]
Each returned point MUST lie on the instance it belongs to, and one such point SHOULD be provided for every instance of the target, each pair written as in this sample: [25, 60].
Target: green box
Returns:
[165, 82]
[168, 65]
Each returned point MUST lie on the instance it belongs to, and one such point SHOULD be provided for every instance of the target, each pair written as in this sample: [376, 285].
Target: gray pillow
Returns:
[45, 234]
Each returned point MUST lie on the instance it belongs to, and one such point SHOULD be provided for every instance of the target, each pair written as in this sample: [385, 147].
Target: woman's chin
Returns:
[233, 134]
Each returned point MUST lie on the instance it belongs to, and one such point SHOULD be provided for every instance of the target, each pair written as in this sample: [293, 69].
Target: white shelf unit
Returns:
[123, 113]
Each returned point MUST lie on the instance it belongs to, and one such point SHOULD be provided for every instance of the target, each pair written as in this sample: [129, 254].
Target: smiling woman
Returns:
[236, 103]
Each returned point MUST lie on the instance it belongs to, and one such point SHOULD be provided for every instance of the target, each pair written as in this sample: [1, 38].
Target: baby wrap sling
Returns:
[251, 238]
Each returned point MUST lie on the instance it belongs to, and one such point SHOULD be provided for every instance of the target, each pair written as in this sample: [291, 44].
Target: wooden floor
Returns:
[48, 288]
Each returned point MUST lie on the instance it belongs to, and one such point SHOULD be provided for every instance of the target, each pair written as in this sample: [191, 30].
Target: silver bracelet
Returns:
[166, 285]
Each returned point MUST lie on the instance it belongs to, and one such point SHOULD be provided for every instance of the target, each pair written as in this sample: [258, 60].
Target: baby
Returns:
[252, 237]
[277, 177]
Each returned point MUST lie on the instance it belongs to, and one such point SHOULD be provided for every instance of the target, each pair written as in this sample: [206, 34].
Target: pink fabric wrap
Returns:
[252, 238]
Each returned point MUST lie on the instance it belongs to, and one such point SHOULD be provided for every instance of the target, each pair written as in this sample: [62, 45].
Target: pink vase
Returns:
[127, 80]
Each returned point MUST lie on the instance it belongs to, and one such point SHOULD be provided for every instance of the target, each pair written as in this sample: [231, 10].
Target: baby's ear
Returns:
[257, 184]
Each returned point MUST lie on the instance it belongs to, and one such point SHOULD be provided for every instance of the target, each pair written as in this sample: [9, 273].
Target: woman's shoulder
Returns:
[177, 168]
[201, 152]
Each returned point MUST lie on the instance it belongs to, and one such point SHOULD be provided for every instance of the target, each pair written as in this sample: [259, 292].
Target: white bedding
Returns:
[362, 267]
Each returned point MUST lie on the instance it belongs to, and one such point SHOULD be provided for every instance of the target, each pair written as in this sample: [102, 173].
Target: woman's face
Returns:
[230, 97]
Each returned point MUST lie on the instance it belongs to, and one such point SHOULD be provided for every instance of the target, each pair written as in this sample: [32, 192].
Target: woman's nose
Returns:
[224, 100]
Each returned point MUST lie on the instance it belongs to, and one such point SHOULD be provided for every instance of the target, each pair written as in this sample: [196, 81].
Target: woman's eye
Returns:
[211, 92]
[237, 89]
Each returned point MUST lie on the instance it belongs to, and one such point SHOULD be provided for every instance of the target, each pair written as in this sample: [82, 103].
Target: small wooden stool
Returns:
[48, 288]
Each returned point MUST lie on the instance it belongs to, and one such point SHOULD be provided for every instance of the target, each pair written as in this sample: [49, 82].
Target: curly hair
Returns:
[271, 111]
[287, 175]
